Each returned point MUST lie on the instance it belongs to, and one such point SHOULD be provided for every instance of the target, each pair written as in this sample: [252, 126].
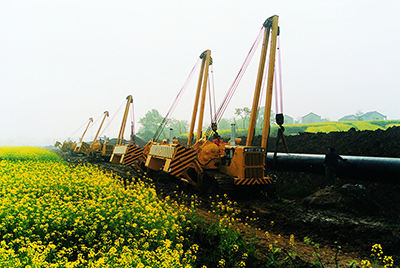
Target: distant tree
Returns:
[260, 119]
[150, 123]
[225, 124]
[244, 113]
[179, 127]
[247, 113]
[239, 112]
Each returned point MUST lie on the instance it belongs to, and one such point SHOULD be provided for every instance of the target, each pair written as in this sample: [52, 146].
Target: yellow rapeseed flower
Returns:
[388, 261]
[57, 210]
[291, 240]
[365, 263]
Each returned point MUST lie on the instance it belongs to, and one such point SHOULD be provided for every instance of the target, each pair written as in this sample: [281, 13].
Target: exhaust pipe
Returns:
[233, 135]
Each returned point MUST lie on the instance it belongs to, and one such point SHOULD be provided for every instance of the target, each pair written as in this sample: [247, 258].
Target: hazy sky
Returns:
[62, 62]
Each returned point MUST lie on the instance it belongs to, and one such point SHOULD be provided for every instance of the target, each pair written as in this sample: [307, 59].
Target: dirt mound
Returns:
[381, 143]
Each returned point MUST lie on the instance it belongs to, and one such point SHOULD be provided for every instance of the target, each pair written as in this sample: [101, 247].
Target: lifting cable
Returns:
[279, 103]
[122, 104]
[94, 123]
[211, 94]
[174, 104]
[277, 110]
[133, 134]
[228, 96]
[209, 99]
[263, 86]
[84, 124]
[132, 127]
[235, 84]
[278, 90]
[213, 90]
[106, 131]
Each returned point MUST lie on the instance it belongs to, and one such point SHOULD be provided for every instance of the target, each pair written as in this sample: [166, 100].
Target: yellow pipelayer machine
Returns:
[247, 165]
[205, 164]
[81, 146]
[72, 147]
[120, 149]
[98, 149]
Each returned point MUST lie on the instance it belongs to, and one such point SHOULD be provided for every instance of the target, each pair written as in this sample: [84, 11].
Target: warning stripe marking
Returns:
[253, 181]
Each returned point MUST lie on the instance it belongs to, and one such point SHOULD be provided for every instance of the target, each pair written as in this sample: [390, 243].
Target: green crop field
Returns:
[326, 127]
[323, 127]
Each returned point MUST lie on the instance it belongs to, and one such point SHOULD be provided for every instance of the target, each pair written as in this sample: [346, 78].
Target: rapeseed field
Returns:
[56, 215]
[53, 214]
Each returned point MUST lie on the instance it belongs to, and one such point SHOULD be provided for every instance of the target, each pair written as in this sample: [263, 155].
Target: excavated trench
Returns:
[362, 209]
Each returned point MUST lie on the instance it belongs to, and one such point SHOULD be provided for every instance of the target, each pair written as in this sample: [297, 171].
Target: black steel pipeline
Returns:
[358, 167]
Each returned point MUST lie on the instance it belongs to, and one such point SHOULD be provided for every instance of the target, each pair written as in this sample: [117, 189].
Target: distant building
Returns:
[351, 117]
[311, 118]
[373, 116]
[289, 120]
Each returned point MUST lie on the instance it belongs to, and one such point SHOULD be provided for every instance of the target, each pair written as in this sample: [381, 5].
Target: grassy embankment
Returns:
[324, 127]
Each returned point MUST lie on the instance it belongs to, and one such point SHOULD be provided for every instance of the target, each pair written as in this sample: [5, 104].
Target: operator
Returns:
[331, 163]
[218, 140]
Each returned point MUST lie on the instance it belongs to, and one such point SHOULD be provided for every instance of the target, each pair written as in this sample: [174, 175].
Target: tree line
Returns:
[152, 120]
